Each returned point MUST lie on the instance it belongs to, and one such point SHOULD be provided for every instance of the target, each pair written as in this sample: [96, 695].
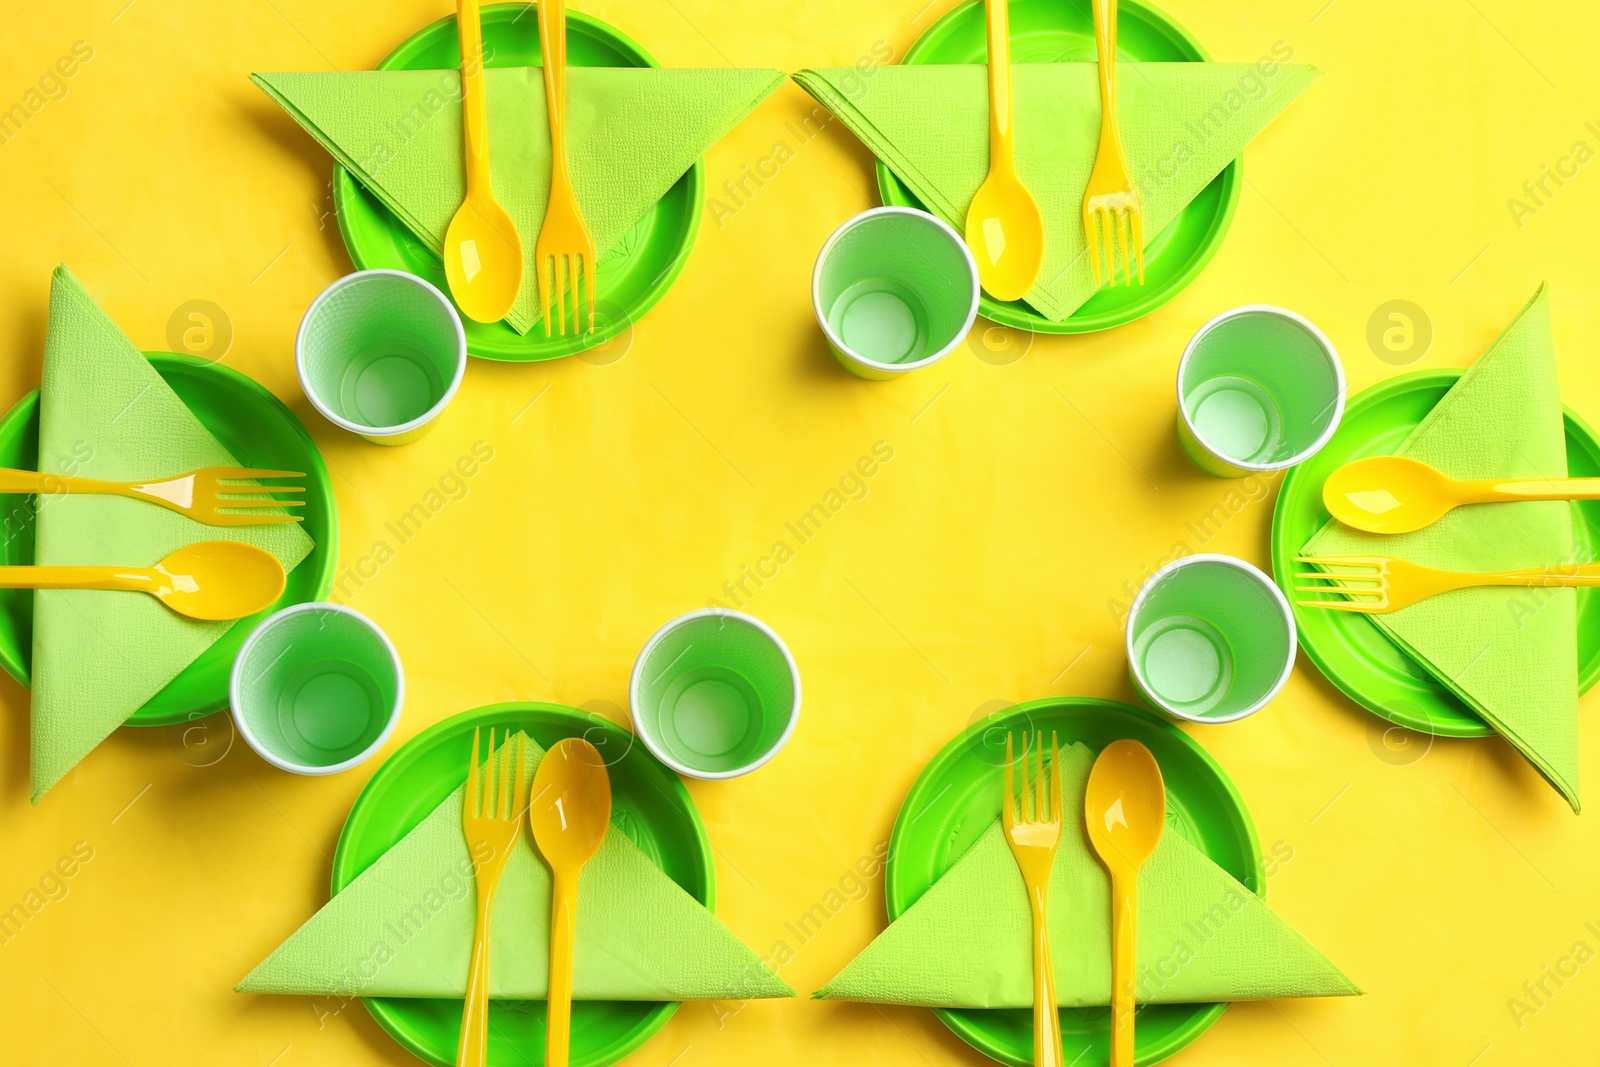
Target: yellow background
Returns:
[976, 571]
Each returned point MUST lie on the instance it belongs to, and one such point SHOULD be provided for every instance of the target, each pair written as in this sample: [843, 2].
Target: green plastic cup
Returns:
[381, 353]
[715, 694]
[317, 688]
[1259, 389]
[1210, 639]
[895, 289]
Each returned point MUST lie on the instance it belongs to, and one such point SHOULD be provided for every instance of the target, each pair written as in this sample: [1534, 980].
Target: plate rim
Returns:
[1015, 313]
[958, 1020]
[345, 188]
[1588, 673]
[326, 569]
[420, 742]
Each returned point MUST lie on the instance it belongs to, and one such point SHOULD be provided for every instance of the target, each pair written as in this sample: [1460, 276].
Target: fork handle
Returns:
[45, 483]
[1580, 574]
[1046, 1019]
[1105, 45]
[998, 20]
[563, 933]
[473, 1050]
[553, 43]
[1124, 941]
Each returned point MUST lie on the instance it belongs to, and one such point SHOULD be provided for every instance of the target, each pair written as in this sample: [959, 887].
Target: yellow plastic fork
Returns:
[207, 495]
[564, 252]
[1111, 200]
[491, 825]
[1377, 585]
[1033, 830]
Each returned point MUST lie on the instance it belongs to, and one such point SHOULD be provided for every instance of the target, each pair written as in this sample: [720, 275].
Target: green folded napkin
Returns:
[632, 132]
[1181, 123]
[105, 413]
[1510, 657]
[968, 941]
[404, 928]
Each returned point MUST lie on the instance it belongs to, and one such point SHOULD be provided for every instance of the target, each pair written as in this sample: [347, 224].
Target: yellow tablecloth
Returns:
[1020, 492]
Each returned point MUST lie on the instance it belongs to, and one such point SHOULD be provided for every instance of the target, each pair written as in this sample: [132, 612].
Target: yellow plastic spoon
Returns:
[569, 811]
[1393, 494]
[482, 252]
[207, 580]
[1004, 229]
[1125, 807]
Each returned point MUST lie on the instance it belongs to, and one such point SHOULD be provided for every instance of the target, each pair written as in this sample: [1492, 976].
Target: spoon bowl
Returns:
[570, 810]
[483, 259]
[1006, 234]
[215, 580]
[1388, 494]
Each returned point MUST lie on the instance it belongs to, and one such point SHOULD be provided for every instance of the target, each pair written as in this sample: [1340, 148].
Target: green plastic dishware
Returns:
[715, 693]
[1259, 389]
[1046, 31]
[317, 688]
[1210, 639]
[649, 804]
[1348, 648]
[894, 289]
[260, 432]
[634, 274]
[381, 353]
[957, 797]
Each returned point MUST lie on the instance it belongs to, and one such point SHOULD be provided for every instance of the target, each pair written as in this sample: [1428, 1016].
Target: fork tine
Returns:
[588, 288]
[1109, 237]
[1041, 792]
[486, 809]
[574, 272]
[519, 801]
[262, 492]
[224, 518]
[1023, 806]
[228, 503]
[544, 291]
[1006, 808]
[1123, 226]
[236, 473]
[1055, 780]
[1328, 579]
[1365, 607]
[506, 798]
[471, 802]
[1137, 215]
[1368, 590]
[1090, 245]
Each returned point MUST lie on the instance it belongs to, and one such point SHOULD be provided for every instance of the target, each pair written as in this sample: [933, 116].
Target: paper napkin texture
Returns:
[632, 133]
[968, 942]
[1181, 123]
[404, 928]
[1510, 654]
[105, 413]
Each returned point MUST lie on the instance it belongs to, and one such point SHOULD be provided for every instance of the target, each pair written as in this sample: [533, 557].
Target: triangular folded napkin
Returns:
[105, 413]
[1510, 654]
[404, 928]
[631, 133]
[967, 942]
[1181, 123]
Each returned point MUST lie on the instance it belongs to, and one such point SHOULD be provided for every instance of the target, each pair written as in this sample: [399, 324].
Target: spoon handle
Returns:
[474, 99]
[1124, 940]
[563, 933]
[130, 579]
[999, 24]
[1538, 489]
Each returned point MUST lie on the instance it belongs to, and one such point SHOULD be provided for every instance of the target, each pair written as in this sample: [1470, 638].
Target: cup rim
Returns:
[400, 428]
[657, 749]
[235, 688]
[1328, 350]
[1277, 597]
[816, 288]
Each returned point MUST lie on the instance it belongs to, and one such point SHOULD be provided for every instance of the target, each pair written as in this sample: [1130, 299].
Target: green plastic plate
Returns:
[632, 275]
[957, 797]
[254, 426]
[1348, 648]
[649, 804]
[1049, 31]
